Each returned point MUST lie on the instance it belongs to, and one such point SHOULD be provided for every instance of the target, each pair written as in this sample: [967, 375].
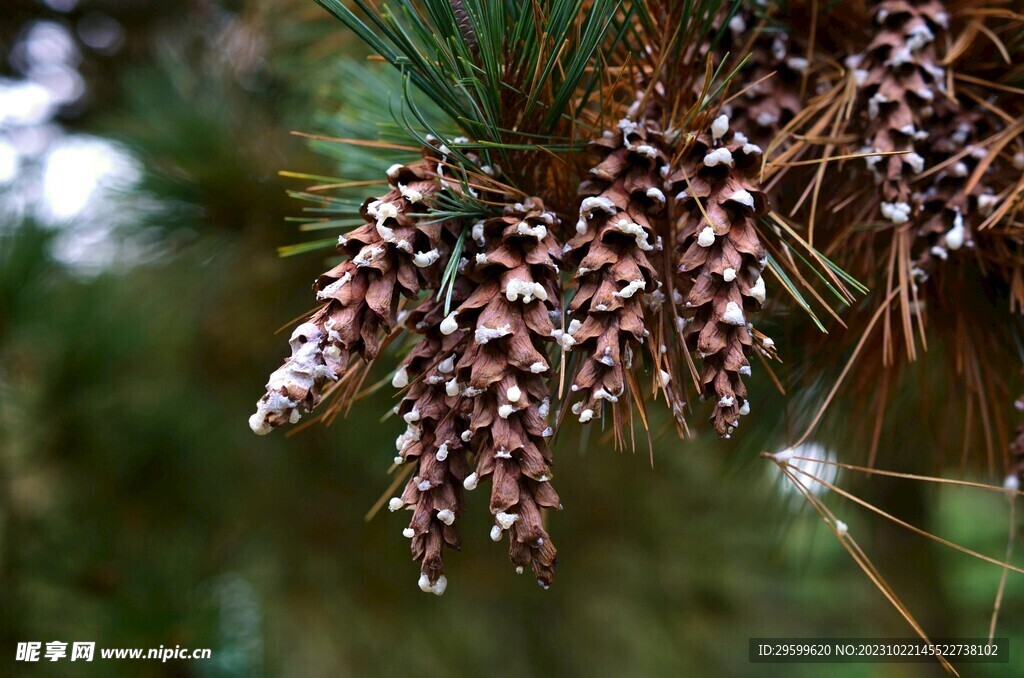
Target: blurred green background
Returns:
[140, 289]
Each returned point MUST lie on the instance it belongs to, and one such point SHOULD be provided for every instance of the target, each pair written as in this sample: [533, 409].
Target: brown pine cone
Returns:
[436, 416]
[950, 216]
[771, 78]
[720, 264]
[617, 230]
[904, 107]
[505, 371]
[900, 82]
[392, 255]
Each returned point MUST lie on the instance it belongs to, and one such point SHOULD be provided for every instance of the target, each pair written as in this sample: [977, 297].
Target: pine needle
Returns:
[849, 364]
[905, 524]
[1010, 539]
[911, 476]
[842, 534]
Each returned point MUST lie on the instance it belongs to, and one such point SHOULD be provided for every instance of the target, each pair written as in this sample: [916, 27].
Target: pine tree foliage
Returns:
[591, 211]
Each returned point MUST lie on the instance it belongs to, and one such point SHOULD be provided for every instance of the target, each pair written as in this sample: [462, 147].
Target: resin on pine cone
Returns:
[771, 79]
[901, 89]
[394, 254]
[620, 217]
[435, 414]
[720, 263]
[950, 214]
[504, 372]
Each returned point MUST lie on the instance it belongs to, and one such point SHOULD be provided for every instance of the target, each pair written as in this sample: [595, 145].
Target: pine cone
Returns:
[720, 264]
[505, 372]
[950, 216]
[900, 81]
[436, 415]
[617, 228]
[771, 78]
[904, 108]
[393, 255]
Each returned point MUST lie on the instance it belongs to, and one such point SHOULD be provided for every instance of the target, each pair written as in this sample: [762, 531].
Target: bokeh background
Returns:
[141, 209]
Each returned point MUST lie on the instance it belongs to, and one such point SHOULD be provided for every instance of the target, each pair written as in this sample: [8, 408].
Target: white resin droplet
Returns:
[505, 520]
[719, 156]
[955, 235]
[733, 315]
[719, 127]
[449, 324]
[401, 378]
[706, 237]
[757, 290]
[743, 197]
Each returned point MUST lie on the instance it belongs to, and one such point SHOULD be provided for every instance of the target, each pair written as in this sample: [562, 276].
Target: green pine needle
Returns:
[543, 50]
[304, 247]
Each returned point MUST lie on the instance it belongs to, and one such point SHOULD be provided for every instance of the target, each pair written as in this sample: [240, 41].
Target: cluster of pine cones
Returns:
[648, 284]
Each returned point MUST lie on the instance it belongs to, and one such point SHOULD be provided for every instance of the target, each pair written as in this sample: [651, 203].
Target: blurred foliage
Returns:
[138, 510]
